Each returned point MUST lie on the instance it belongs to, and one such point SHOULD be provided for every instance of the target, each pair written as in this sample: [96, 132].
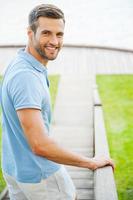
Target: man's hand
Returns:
[102, 162]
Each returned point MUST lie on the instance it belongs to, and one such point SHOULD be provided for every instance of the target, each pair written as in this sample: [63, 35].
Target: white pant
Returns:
[59, 186]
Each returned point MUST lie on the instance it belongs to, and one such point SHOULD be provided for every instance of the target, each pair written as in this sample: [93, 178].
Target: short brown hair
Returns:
[44, 10]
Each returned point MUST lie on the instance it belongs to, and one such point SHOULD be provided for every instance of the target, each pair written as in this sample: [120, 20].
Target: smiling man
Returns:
[31, 160]
[45, 37]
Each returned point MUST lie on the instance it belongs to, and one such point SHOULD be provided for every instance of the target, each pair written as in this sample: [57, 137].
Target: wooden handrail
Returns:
[104, 183]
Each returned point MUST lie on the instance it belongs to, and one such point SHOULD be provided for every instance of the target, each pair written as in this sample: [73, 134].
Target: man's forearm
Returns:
[43, 145]
[52, 151]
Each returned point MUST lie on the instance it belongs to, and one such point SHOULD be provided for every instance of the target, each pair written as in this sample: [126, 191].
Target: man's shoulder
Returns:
[20, 75]
[18, 64]
[20, 68]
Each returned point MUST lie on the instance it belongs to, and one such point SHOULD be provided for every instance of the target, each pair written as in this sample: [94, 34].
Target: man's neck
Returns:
[35, 54]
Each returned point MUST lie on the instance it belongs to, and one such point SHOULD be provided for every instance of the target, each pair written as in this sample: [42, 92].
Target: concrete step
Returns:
[81, 174]
[86, 151]
[69, 115]
[77, 169]
[72, 127]
[73, 131]
[83, 183]
[73, 143]
[69, 97]
[85, 194]
[68, 136]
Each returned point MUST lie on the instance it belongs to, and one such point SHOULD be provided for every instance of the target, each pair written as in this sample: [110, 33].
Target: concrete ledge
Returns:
[104, 183]
[110, 48]
[96, 97]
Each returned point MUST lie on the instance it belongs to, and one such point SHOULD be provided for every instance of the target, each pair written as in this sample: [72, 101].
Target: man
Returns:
[31, 160]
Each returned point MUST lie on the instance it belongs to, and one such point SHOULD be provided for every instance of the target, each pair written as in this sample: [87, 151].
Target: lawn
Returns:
[116, 93]
[54, 80]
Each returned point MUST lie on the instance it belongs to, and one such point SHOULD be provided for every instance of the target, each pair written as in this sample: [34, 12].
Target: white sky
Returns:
[92, 22]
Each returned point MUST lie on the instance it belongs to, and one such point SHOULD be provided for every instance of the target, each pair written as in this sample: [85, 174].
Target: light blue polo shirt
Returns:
[25, 85]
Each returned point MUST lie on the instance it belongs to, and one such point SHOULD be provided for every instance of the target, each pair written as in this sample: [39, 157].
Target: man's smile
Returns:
[51, 49]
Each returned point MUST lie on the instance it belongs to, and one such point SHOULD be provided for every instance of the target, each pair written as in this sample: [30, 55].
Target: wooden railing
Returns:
[104, 183]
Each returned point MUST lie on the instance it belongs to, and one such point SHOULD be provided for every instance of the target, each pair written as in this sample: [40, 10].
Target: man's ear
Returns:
[29, 33]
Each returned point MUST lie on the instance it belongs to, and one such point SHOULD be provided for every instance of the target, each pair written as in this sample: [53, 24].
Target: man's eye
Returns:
[60, 35]
[45, 33]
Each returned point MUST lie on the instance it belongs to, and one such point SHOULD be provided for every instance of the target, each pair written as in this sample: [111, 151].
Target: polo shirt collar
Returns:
[34, 62]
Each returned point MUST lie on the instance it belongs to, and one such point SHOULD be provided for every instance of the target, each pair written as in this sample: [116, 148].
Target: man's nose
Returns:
[54, 40]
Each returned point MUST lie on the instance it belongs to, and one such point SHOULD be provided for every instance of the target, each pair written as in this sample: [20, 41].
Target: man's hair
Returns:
[44, 10]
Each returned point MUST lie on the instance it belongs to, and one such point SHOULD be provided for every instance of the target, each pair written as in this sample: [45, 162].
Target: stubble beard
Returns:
[43, 54]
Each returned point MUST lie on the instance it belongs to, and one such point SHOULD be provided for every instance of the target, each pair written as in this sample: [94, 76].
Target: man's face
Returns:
[48, 39]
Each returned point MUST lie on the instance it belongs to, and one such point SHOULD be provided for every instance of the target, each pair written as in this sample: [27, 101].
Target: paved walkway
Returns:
[73, 126]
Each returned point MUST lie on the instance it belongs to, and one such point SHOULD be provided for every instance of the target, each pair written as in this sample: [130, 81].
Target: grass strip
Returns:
[116, 93]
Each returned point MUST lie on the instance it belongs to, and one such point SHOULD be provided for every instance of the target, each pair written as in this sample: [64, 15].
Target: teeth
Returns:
[51, 48]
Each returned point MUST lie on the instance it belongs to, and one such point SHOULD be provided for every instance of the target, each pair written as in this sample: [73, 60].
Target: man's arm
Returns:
[41, 144]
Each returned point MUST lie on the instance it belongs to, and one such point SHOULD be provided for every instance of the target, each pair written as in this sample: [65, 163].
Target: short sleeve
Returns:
[25, 90]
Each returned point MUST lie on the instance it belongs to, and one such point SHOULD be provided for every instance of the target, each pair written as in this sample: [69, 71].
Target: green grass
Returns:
[53, 88]
[2, 182]
[116, 93]
[54, 80]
